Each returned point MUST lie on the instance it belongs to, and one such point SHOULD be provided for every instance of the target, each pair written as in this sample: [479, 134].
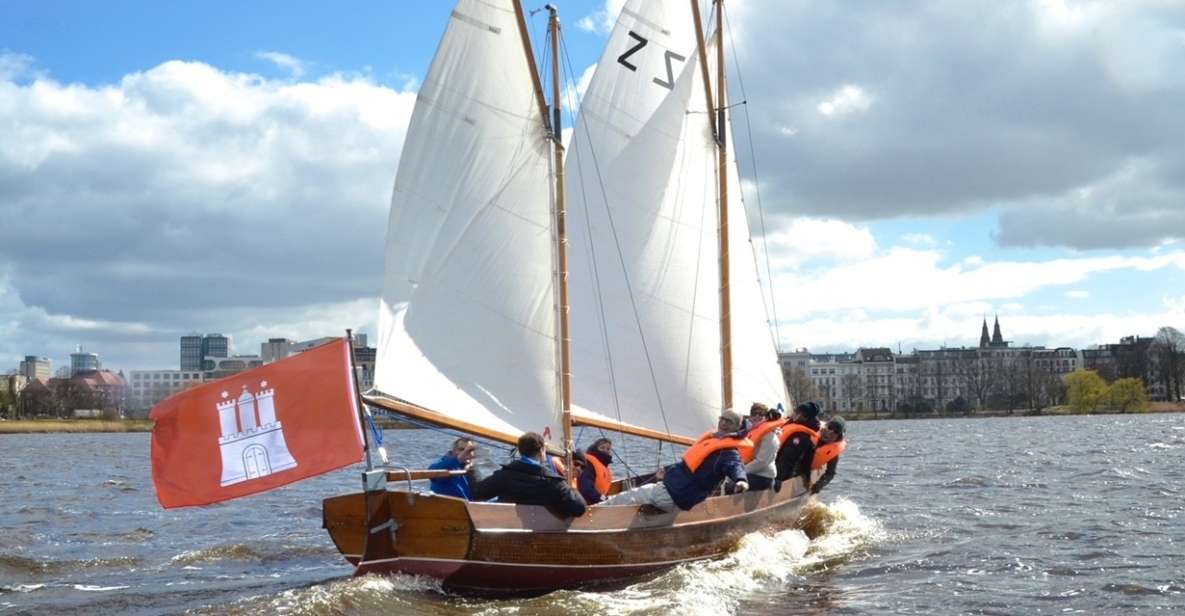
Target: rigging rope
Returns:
[773, 302]
[625, 272]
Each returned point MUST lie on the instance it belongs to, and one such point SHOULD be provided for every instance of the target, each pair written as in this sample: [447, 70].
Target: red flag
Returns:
[257, 430]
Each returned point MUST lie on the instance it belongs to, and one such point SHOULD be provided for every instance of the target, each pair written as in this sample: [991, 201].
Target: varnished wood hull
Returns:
[489, 547]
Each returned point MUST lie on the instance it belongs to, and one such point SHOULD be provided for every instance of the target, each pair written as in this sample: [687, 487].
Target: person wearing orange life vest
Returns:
[799, 436]
[596, 478]
[831, 445]
[765, 431]
[687, 483]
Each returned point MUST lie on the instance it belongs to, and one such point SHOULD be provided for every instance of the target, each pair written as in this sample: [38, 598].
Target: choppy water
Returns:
[984, 516]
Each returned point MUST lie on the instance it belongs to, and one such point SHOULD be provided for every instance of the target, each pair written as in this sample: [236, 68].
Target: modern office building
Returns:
[215, 345]
[191, 352]
[148, 387]
[34, 367]
[81, 361]
[195, 348]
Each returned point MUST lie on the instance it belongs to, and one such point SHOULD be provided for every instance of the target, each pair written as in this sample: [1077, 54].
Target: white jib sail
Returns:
[467, 321]
[642, 178]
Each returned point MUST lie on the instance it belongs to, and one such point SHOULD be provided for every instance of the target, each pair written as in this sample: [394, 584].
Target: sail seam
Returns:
[473, 21]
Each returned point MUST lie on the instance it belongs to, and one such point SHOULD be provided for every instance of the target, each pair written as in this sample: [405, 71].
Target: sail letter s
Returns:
[632, 50]
[670, 82]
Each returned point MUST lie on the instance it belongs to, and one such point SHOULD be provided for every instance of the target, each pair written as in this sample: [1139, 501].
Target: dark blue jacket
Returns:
[527, 483]
[450, 486]
[689, 489]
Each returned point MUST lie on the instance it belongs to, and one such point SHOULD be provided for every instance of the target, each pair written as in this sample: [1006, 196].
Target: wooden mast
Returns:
[553, 26]
[722, 175]
[553, 123]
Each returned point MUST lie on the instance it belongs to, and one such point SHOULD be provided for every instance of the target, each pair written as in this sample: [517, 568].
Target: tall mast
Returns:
[722, 174]
[552, 122]
[553, 26]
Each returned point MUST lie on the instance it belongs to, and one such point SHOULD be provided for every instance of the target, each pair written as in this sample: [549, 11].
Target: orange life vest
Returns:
[708, 444]
[827, 453]
[790, 429]
[604, 476]
[758, 433]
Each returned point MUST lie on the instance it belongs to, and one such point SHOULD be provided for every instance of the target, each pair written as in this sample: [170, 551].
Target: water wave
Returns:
[371, 594]
[260, 552]
[23, 564]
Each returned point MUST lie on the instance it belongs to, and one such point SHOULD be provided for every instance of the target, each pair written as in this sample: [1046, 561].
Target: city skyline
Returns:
[240, 177]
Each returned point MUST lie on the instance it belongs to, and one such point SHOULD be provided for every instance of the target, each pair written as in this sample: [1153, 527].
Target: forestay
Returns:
[644, 132]
[467, 316]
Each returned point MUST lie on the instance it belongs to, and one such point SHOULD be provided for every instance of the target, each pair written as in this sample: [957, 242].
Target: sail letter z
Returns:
[670, 82]
[257, 430]
[632, 50]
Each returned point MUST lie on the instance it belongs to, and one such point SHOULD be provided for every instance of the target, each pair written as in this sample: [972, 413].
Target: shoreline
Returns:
[120, 426]
[74, 426]
[117, 426]
[1155, 408]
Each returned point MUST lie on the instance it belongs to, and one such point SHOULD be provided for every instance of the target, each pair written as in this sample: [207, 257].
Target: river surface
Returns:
[1047, 515]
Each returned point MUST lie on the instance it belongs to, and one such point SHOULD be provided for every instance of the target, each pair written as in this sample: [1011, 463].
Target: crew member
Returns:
[831, 445]
[766, 434]
[596, 479]
[526, 481]
[459, 457]
[685, 484]
[798, 445]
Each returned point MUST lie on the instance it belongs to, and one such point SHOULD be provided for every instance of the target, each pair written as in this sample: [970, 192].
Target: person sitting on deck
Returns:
[460, 457]
[526, 481]
[765, 433]
[831, 445]
[596, 478]
[798, 445]
[687, 483]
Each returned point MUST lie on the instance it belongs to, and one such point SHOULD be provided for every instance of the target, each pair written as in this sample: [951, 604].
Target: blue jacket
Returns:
[450, 486]
[689, 489]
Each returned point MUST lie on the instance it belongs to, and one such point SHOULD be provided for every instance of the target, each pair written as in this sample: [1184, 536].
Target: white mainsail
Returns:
[642, 173]
[467, 319]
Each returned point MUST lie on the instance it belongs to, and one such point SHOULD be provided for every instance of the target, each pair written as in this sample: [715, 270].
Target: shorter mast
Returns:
[722, 180]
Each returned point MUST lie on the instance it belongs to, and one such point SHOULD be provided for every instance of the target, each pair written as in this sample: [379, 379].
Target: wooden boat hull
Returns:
[503, 548]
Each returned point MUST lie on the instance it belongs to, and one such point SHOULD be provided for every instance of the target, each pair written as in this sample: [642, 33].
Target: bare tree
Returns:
[850, 388]
[799, 385]
[976, 374]
[1169, 347]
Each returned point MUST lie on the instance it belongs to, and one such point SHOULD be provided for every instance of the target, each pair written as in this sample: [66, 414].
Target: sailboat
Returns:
[529, 290]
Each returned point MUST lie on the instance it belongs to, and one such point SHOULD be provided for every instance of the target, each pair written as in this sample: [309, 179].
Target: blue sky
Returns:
[177, 167]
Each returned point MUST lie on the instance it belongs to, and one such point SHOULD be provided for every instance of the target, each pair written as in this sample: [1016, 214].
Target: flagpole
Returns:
[358, 401]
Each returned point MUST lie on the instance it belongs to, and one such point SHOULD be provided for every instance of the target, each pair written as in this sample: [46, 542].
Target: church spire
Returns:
[983, 337]
[997, 339]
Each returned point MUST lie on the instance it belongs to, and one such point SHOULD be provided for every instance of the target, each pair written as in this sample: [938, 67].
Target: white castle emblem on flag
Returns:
[252, 440]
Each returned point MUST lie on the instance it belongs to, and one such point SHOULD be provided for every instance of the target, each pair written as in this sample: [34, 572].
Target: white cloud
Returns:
[905, 279]
[1077, 294]
[846, 100]
[818, 239]
[290, 63]
[194, 199]
[602, 20]
[14, 65]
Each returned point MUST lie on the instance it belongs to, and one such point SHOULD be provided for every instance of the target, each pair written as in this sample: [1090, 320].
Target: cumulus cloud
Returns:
[602, 20]
[1046, 111]
[152, 204]
[902, 279]
[289, 63]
